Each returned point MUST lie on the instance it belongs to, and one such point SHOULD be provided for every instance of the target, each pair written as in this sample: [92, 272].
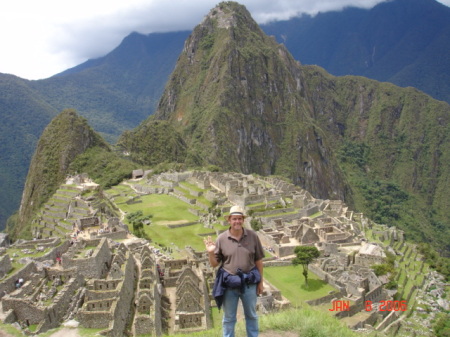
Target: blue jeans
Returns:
[230, 305]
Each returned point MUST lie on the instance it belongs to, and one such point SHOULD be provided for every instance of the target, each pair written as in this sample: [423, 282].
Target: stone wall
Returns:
[283, 251]
[327, 298]
[94, 266]
[373, 317]
[326, 277]
[66, 274]
[5, 265]
[391, 317]
[51, 242]
[356, 307]
[190, 201]
[267, 220]
[23, 311]
[108, 302]
[55, 252]
[120, 234]
[177, 176]
[8, 285]
[62, 301]
[26, 309]
[207, 302]
[375, 295]
[123, 302]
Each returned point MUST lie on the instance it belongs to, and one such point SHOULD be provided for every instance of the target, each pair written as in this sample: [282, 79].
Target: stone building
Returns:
[108, 300]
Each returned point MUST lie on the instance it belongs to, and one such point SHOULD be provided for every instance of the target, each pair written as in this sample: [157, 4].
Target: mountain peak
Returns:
[229, 14]
[239, 101]
[67, 135]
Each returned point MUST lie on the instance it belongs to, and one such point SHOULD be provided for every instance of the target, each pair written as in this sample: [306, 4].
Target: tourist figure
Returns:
[239, 253]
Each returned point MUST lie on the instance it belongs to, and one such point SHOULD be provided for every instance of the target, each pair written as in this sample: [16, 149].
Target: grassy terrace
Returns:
[290, 281]
[190, 186]
[120, 189]
[411, 270]
[281, 214]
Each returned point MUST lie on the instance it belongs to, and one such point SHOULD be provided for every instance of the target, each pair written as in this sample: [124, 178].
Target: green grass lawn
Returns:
[169, 210]
[180, 237]
[165, 209]
[290, 281]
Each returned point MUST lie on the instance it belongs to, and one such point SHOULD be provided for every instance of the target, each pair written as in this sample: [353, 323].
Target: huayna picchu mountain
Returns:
[241, 102]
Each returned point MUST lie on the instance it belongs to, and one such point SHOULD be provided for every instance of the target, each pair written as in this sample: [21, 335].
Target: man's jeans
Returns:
[230, 305]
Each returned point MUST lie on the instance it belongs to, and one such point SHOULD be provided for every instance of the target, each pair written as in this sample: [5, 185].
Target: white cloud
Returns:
[42, 38]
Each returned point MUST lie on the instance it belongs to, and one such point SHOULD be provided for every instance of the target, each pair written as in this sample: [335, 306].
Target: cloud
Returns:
[94, 36]
[42, 38]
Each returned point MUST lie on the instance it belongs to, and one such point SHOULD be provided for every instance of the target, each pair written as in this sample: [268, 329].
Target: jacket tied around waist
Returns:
[224, 280]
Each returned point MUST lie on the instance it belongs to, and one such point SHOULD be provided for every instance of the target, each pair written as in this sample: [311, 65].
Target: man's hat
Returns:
[236, 210]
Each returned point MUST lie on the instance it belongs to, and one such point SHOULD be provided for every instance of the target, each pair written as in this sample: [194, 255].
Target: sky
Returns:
[42, 38]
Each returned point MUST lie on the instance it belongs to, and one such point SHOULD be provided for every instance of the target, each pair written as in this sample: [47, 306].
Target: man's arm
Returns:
[259, 266]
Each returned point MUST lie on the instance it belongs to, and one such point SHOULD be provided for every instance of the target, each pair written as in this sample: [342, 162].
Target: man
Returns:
[239, 253]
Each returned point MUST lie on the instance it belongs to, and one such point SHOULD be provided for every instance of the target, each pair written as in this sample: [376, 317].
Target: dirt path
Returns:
[278, 334]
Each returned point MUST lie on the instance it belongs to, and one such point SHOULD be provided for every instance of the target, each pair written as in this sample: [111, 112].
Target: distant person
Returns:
[239, 253]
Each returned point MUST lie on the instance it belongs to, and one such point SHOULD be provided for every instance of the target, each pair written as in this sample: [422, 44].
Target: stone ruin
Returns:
[95, 284]
[174, 295]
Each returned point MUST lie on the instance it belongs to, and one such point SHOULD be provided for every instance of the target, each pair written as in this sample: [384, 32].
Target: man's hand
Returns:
[209, 244]
[210, 248]
[260, 288]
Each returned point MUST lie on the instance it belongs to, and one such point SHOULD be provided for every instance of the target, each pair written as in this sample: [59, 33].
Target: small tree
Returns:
[137, 219]
[304, 256]
[256, 224]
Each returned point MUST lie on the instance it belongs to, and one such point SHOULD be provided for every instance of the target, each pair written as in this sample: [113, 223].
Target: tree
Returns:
[256, 224]
[137, 219]
[304, 256]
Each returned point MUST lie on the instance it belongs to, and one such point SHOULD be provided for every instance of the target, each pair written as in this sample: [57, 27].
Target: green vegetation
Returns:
[165, 209]
[287, 280]
[11, 330]
[169, 216]
[439, 263]
[67, 136]
[383, 148]
[304, 321]
[152, 143]
[387, 268]
[441, 325]
[137, 220]
[256, 224]
[304, 256]
[104, 166]
[385, 202]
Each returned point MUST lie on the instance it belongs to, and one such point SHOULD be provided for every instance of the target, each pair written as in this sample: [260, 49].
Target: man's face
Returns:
[236, 221]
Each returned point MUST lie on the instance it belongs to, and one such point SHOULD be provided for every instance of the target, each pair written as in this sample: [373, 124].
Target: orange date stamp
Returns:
[341, 305]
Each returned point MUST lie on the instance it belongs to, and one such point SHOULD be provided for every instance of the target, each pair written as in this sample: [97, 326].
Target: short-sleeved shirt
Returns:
[240, 254]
